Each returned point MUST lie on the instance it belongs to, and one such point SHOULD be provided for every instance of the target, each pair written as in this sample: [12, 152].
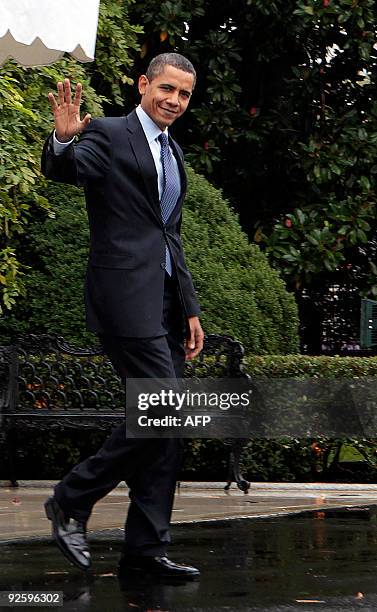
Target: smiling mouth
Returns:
[167, 110]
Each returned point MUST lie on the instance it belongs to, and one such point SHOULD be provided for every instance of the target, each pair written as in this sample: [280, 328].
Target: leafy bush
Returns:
[289, 366]
[25, 122]
[57, 251]
[240, 294]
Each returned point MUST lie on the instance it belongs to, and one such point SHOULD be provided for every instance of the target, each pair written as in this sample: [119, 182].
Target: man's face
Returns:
[166, 97]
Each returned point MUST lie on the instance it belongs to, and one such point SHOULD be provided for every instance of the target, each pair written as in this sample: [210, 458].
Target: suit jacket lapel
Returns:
[181, 168]
[142, 152]
[144, 158]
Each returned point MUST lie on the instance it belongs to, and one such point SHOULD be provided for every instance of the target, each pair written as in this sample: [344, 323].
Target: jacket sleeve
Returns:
[185, 279]
[187, 287]
[87, 160]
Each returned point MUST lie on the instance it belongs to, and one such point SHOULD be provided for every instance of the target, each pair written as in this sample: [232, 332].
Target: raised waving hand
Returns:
[67, 112]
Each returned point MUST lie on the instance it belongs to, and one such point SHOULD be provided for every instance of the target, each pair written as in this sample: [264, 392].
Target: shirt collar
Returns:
[151, 130]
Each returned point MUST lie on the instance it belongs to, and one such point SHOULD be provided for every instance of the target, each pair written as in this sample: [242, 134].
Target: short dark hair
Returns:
[176, 60]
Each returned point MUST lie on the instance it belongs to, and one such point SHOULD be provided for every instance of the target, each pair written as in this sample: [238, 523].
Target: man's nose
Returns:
[173, 98]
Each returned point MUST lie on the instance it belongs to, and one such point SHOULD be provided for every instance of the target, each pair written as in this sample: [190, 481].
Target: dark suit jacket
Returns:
[125, 274]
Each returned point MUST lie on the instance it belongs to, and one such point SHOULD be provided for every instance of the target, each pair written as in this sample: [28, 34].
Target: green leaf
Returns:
[329, 265]
[364, 182]
[300, 216]
[312, 240]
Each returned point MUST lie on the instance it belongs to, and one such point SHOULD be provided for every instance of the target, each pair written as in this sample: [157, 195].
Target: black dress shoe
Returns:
[155, 566]
[69, 534]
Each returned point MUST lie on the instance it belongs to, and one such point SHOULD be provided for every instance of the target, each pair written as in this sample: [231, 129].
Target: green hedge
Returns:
[56, 249]
[286, 366]
[322, 458]
[240, 293]
[300, 459]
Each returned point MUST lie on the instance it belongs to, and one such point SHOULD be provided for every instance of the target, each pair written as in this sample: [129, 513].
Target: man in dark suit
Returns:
[139, 298]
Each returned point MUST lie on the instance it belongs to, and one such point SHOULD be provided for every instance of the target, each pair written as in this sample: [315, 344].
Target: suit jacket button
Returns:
[162, 265]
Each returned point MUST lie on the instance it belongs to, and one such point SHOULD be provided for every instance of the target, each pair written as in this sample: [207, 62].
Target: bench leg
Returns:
[10, 451]
[234, 470]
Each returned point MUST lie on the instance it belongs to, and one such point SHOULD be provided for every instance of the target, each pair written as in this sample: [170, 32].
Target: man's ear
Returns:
[143, 82]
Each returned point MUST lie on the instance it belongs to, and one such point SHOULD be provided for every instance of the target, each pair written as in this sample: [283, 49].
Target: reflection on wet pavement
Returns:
[323, 560]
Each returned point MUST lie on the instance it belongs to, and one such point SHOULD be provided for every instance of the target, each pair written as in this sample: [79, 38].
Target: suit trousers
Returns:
[148, 466]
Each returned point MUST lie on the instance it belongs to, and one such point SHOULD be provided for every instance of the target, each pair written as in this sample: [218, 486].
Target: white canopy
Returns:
[39, 32]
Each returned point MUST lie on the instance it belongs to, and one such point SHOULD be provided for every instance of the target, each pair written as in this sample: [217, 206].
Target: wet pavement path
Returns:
[322, 560]
[22, 515]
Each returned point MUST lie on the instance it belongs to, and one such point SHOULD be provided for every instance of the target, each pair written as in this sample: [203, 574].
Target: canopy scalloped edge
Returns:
[36, 53]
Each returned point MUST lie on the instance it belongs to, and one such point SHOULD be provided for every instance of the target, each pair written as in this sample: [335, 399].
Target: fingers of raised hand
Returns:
[86, 120]
[67, 91]
[78, 93]
[65, 94]
[60, 93]
[52, 101]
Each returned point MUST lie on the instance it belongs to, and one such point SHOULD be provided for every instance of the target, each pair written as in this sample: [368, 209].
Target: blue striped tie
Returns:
[171, 191]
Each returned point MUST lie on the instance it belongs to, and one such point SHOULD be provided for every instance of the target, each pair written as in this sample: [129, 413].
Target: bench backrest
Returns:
[46, 380]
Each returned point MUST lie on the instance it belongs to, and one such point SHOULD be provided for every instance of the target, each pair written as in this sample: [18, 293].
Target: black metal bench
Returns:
[47, 384]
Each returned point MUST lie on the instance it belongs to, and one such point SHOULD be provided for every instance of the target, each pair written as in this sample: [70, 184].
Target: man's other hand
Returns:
[194, 342]
[67, 112]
